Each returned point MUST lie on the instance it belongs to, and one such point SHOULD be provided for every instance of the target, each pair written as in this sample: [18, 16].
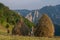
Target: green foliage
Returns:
[1, 5]
[28, 23]
[7, 26]
[10, 17]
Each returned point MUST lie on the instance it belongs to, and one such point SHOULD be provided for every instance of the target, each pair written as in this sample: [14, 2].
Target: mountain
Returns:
[52, 11]
[57, 30]
[31, 15]
[23, 12]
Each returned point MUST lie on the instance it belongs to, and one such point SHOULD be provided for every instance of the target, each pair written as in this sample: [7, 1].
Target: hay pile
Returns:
[45, 27]
[20, 29]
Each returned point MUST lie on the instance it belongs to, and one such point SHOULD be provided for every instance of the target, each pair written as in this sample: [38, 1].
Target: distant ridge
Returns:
[52, 11]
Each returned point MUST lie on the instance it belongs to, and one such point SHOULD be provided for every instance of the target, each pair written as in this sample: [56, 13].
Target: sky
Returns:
[29, 4]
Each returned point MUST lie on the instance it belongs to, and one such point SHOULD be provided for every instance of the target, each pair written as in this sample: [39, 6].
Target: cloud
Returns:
[29, 4]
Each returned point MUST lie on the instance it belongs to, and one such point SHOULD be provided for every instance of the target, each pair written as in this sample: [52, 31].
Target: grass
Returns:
[5, 36]
[10, 37]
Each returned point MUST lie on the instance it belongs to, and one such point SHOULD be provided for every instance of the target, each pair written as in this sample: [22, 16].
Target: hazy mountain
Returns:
[52, 11]
[23, 12]
[57, 30]
[33, 16]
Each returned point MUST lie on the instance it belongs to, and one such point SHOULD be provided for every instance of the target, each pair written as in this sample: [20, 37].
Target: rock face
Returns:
[36, 16]
[29, 17]
[33, 16]
[45, 27]
[20, 29]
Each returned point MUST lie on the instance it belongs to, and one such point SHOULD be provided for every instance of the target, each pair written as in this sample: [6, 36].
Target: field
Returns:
[4, 37]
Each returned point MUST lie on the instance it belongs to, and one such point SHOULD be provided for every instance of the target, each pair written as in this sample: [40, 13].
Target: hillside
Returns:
[11, 17]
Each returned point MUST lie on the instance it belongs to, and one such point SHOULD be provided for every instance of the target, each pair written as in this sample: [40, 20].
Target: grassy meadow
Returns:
[9, 37]
[5, 36]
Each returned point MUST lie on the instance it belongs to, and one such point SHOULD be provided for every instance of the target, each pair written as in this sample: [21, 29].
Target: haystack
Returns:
[45, 27]
[20, 28]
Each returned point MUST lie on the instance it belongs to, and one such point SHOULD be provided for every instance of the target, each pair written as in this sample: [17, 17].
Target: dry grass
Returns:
[5, 36]
[9, 37]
